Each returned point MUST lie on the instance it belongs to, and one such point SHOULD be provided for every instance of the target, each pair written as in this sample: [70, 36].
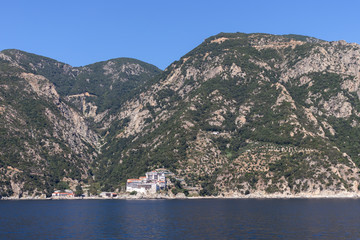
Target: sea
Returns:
[181, 219]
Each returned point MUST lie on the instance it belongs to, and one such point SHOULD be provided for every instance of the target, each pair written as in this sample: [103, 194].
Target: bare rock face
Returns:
[74, 128]
[88, 109]
[40, 85]
[284, 97]
[338, 106]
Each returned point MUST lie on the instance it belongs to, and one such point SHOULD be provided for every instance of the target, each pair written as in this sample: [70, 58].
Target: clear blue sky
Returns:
[81, 32]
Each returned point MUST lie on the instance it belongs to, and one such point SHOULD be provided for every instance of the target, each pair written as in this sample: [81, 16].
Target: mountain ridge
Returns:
[240, 113]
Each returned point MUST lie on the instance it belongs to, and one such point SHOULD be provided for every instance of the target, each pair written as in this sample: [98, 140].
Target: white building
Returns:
[63, 194]
[108, 194]
[151, 183]
[141, 187]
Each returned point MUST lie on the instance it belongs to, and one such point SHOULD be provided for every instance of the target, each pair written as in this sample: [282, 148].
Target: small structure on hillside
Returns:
[63, 194]
[108, 195]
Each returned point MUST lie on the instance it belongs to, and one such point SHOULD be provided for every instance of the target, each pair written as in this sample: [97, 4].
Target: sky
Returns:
[159, 32]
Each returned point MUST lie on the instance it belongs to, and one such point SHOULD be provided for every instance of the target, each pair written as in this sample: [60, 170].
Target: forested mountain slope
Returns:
[48, 111]
[246, 113]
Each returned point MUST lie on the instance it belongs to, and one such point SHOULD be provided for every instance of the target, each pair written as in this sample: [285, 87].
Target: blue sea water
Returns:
[181, 219]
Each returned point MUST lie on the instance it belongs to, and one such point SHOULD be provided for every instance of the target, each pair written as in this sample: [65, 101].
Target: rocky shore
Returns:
[256, 195]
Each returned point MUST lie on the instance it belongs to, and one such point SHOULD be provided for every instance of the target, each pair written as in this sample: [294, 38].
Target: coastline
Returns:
[340, 195]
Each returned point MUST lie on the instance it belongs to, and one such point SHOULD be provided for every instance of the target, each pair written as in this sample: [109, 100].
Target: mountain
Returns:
[48, 111]
[239, 114]
[246, 113]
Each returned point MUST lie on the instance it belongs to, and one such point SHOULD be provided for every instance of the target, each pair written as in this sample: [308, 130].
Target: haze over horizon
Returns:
[84, 32]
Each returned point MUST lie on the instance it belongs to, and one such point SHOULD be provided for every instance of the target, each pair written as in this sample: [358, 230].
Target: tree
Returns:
[79, 191]
[62, 185]
[93, 190]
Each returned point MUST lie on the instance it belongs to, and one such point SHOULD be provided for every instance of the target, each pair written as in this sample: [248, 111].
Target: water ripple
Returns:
[181, 219]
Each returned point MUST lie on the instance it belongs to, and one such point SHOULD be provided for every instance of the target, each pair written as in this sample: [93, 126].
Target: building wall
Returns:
[143, 188]
[139, 190]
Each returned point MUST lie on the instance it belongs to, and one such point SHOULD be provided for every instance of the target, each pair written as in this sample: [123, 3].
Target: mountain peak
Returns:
[261, 37]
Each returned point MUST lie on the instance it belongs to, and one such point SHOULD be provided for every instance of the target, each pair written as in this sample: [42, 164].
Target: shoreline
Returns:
[167, 197]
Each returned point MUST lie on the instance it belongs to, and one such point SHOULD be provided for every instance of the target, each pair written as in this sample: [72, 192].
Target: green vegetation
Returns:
[79, 191]
[62, 185]
[178, 188]
[113, 87]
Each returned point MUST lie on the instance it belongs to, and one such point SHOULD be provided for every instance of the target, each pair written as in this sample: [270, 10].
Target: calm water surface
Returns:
[181, 219]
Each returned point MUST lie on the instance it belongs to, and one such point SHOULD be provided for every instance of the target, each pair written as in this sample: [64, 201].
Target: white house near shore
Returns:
[108, 194]
[63, 194]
